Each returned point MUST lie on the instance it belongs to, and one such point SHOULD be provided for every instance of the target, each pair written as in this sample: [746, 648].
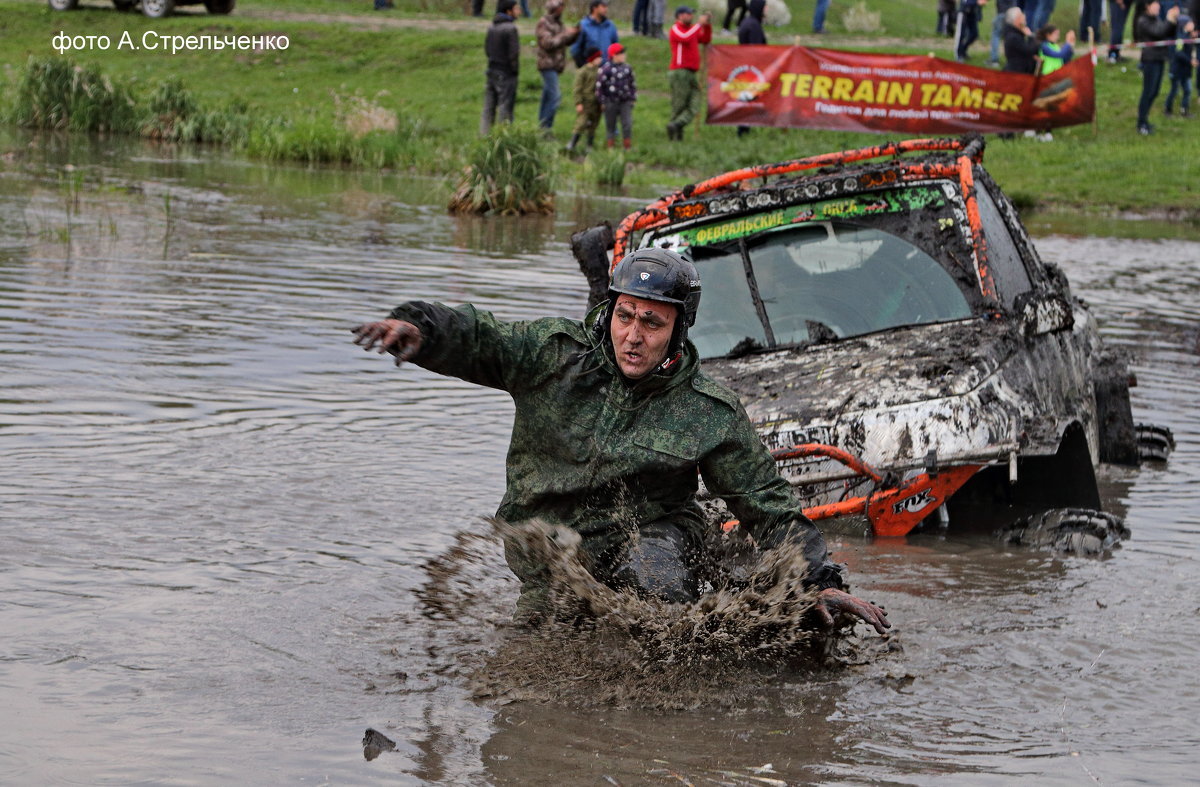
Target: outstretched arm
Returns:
[401, 339]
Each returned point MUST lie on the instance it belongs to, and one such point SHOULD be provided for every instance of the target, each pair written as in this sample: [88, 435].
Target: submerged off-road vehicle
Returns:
[905, 352]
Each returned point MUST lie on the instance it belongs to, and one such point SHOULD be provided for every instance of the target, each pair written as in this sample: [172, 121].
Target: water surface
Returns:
[216, 510]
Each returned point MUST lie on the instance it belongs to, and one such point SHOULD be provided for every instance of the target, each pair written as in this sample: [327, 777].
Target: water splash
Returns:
[604, 647]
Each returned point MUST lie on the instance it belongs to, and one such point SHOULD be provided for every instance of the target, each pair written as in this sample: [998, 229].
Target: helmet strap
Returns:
[668, 366]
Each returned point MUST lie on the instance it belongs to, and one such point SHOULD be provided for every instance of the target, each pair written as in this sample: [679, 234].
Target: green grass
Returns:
[510, 171]
[293, 104]
[605, 167]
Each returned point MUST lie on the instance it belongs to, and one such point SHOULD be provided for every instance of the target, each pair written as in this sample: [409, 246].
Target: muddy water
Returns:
[219, 520]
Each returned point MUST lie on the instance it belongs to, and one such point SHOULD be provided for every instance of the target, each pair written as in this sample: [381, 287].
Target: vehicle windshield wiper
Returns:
[760, 308]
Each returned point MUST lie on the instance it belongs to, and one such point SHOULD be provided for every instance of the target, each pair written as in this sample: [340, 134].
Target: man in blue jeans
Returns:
[1002, 7]
[1045, 9]
[819, 16]
[1030, 7]
[553, 38]
[1118, 13]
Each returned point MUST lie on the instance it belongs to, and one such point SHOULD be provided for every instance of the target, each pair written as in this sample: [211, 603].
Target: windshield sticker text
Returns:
[893, 201]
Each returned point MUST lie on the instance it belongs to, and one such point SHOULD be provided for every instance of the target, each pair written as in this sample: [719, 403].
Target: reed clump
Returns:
[605, 167]
[170, 112]
[55, 93]
[510, 171]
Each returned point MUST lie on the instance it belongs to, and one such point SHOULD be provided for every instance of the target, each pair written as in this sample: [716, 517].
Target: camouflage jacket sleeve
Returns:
[473, 345]
[743, 473]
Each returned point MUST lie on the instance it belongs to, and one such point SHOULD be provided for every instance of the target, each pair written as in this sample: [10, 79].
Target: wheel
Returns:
[157, 9]
[1080, 531]
[62, 5]
[1155, 443]
[219, 6]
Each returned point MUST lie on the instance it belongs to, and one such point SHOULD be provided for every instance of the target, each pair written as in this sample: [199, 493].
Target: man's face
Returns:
[600, 11]
[641, 331]
[685, 20]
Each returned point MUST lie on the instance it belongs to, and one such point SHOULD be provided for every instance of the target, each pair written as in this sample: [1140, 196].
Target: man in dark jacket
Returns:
[614, 423]
[1090, 12]
[1154, 58]
[503, 49]
[750, 32]
[553, 38]
[1020, 47]
[969, 14]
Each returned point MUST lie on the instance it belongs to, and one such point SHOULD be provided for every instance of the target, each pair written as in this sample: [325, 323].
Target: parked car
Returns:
[903, 349]
[155, 9]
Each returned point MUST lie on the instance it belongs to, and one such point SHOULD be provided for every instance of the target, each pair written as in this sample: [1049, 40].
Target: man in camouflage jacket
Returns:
[613, 419]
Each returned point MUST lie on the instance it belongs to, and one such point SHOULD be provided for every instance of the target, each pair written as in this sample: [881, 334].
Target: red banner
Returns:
[797, 87]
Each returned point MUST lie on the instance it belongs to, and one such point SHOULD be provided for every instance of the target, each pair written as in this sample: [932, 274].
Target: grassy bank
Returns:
[396, 89]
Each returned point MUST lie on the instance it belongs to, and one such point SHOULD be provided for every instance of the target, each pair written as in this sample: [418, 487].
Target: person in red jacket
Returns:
[685, 39]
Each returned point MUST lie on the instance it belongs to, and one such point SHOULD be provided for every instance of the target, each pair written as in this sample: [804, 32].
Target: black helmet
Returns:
[659, 275]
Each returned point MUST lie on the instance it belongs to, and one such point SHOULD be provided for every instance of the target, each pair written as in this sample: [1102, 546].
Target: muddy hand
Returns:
[401, 339]
[831, 601]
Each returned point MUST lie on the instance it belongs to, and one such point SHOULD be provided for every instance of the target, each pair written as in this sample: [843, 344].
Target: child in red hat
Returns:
[616, 91]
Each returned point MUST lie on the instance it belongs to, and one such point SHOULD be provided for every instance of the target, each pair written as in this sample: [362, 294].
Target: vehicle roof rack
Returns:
[968, 151]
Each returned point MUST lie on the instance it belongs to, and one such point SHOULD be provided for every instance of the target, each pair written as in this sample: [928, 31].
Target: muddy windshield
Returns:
[822, 281]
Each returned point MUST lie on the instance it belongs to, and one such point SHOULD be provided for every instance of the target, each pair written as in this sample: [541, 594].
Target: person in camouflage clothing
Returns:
[587, 107]
[613, 420]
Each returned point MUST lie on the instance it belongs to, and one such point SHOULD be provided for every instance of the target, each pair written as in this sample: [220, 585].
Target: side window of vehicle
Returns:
[1004, 259]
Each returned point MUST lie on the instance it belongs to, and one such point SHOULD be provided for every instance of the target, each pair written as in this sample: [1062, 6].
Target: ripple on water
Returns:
[215, 532]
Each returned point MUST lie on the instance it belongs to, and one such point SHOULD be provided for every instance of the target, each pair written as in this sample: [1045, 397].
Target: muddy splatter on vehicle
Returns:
[905, 352]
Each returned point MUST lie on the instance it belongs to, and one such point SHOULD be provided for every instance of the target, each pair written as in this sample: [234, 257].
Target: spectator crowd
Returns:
[605, 88]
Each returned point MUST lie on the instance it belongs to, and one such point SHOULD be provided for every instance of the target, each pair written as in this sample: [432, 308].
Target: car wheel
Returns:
[1079, 531]
[1155, 443]
[62, 5]
[157, 9]
[219, 6]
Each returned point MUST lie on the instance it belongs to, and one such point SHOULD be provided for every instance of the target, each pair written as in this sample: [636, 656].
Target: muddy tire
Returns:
[590, 248]
[1114, 417]
[1076, 531]
[62, 5]
[157, 9]
[219, 6]
[1155, 443]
